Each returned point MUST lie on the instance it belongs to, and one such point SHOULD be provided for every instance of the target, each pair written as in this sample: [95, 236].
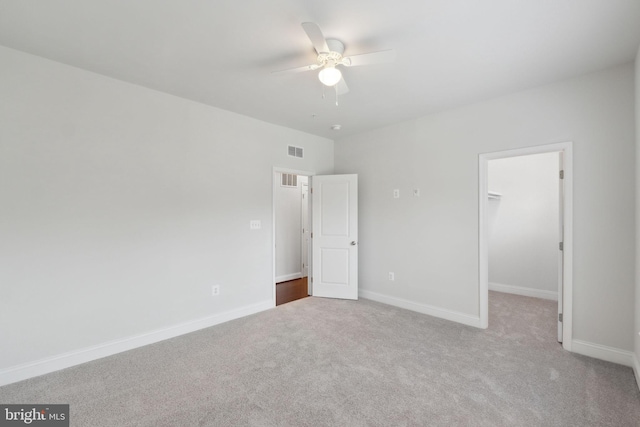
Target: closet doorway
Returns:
[292, 236]
[516, 254]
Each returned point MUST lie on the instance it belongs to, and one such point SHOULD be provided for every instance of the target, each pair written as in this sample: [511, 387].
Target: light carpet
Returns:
[321, 362]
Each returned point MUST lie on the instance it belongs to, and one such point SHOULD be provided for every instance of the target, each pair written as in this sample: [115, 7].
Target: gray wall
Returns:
[431, 241]
[122, 206]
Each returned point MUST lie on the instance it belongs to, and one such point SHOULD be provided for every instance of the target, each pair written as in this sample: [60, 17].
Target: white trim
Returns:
[441, 313]
[603, 352]
[636, 369]
[527, 292]
[65, 360]
[483, 242]
[287, 277]
[483, 246]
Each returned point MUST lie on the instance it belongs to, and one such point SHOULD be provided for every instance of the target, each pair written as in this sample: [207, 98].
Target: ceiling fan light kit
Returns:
[329, 75]
[330, 55]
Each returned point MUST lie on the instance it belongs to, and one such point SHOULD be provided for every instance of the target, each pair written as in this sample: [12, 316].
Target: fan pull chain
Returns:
[336, 86]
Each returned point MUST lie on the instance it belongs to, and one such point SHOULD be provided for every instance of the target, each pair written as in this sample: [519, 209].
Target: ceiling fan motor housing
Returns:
[334, 56]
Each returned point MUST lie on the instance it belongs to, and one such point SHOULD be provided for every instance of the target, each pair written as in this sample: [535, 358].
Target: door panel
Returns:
[335, 236]
[335, 266]
[335, 208]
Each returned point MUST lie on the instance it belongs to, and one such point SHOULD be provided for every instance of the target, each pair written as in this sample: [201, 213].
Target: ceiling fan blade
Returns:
[341, 87]
[380, 57]
[315, 35]
[298, 69]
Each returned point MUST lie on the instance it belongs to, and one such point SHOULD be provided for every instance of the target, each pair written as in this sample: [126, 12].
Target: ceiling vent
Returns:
[296, 151]
[289, 180]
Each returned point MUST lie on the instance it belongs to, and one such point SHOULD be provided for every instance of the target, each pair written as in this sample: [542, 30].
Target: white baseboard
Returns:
[603, 352]
[286, 277]
[442, 313]
[527, 292]
[40, 367]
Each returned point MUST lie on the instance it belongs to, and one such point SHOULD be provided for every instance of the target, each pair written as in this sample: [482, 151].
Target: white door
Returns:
[335, 236]
[560, 246]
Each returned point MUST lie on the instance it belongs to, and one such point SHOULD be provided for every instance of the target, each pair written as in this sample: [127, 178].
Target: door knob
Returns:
[353, 243]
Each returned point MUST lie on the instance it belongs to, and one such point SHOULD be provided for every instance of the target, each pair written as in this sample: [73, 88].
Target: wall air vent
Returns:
[295, 151]
[289, 180]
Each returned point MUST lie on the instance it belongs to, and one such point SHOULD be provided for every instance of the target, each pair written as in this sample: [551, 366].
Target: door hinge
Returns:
[312, 280]
[312, 234]
[561, 174]
[562, 246]
[311, 190]
[559, 317]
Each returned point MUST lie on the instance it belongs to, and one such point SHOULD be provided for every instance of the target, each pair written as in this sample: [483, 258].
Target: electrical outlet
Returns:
[255, 224]
[396, 193]
[392, 276]
[215, 290]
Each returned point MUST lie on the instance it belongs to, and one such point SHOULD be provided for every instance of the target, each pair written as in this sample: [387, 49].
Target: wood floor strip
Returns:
[291, 290]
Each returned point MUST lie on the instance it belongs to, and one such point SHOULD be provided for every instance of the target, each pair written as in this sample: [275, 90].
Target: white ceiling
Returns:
[222, 52]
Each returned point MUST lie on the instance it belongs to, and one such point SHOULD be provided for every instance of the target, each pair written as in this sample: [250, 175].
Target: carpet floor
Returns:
[321, 362]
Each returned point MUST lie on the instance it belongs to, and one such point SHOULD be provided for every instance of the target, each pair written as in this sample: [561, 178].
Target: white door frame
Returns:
[483, 258]
[306, 228]
[275, 170]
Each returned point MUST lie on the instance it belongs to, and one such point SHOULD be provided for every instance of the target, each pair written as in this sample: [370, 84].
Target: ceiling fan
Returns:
[330, 55]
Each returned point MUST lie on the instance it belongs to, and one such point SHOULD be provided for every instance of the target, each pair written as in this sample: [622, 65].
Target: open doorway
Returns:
[291, 235]
[328, 255]
[529, 272]
[524, 222]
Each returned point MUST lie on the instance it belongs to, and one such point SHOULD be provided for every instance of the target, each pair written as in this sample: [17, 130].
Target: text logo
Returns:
[34, 415]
